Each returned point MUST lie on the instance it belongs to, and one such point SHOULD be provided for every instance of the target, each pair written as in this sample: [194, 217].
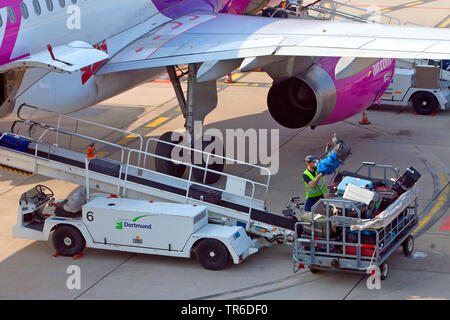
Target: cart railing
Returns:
[372, 165]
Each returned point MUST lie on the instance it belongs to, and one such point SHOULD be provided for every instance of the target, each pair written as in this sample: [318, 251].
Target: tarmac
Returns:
[396, 136]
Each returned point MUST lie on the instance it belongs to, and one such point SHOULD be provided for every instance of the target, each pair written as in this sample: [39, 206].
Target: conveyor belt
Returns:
[105, 167]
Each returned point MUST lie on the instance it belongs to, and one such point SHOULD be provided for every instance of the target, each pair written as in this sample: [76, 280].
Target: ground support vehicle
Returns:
[160, 228]
[421, 87]
[354, 244]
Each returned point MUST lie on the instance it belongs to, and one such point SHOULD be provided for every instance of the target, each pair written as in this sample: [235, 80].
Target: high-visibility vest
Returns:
[319, 190]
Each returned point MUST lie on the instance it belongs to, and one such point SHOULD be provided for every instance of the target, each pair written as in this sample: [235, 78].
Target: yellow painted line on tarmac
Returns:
[234, 84]
[413, 4]
[157, 122]
[236, 76]
[127, 139]
[444, 24]
[440, 202]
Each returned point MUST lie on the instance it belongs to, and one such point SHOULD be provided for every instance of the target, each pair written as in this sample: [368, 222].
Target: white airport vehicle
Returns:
[169, 229]
[424, 87]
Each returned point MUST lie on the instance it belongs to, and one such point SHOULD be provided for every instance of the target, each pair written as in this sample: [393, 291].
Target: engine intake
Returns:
[307, 99]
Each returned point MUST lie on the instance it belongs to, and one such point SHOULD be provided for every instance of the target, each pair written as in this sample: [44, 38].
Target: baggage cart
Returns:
[355, 244]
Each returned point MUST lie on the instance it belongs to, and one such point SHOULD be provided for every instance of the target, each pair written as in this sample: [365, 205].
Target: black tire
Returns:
[165, 150]
[211, 177]
[313, 270]
[68, 241]
[384, 269]
[408, 246]
[424, 103]
[212, 254]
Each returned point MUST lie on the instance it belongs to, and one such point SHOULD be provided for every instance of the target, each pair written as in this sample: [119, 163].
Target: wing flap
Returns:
[68, 58]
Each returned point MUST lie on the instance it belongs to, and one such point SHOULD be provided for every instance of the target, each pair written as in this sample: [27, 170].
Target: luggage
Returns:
[377, 182]
[367, 250]
[320, 225]
[336, 209]
[367, 236]
[14, 143]
[321, 247]
[355, 193]
[205, 194]
[340, 149]
[388, 196]
[356, 181]
[409, 178]
[106, 167]
[328, 164]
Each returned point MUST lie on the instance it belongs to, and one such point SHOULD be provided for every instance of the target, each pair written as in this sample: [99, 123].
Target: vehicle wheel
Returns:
[165, 150]
[211, 177]
[384, 268]
[313, 270]
[212, 254]
[425, 103]
[408, 246]
[68, 241]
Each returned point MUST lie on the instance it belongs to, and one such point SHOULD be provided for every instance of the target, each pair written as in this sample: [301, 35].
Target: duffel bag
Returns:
[320, 225]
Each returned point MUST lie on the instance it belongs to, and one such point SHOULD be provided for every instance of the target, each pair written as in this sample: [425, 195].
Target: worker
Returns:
[314, 183]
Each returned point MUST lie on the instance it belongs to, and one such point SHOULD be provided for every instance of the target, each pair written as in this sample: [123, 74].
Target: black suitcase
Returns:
[106, 167]
[367, 236]
[409, 178]
[388, 196]
[205, 194]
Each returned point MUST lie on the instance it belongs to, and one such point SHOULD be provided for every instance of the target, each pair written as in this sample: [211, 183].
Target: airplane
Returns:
[67, 55]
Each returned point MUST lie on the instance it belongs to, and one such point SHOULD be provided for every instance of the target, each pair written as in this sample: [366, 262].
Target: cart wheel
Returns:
[212, 254]
[313, 270]
[68, 241]
[408, 246]
[384, 268]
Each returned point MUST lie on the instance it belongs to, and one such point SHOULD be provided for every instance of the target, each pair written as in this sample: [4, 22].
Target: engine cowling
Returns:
[307, 99]
[330, 90]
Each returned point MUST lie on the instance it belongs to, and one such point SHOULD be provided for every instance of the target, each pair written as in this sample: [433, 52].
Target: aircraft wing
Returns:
[206, 37]
[68, 58]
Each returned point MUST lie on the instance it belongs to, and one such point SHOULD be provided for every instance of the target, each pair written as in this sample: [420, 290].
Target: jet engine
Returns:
[307, 99]
[330, 90]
